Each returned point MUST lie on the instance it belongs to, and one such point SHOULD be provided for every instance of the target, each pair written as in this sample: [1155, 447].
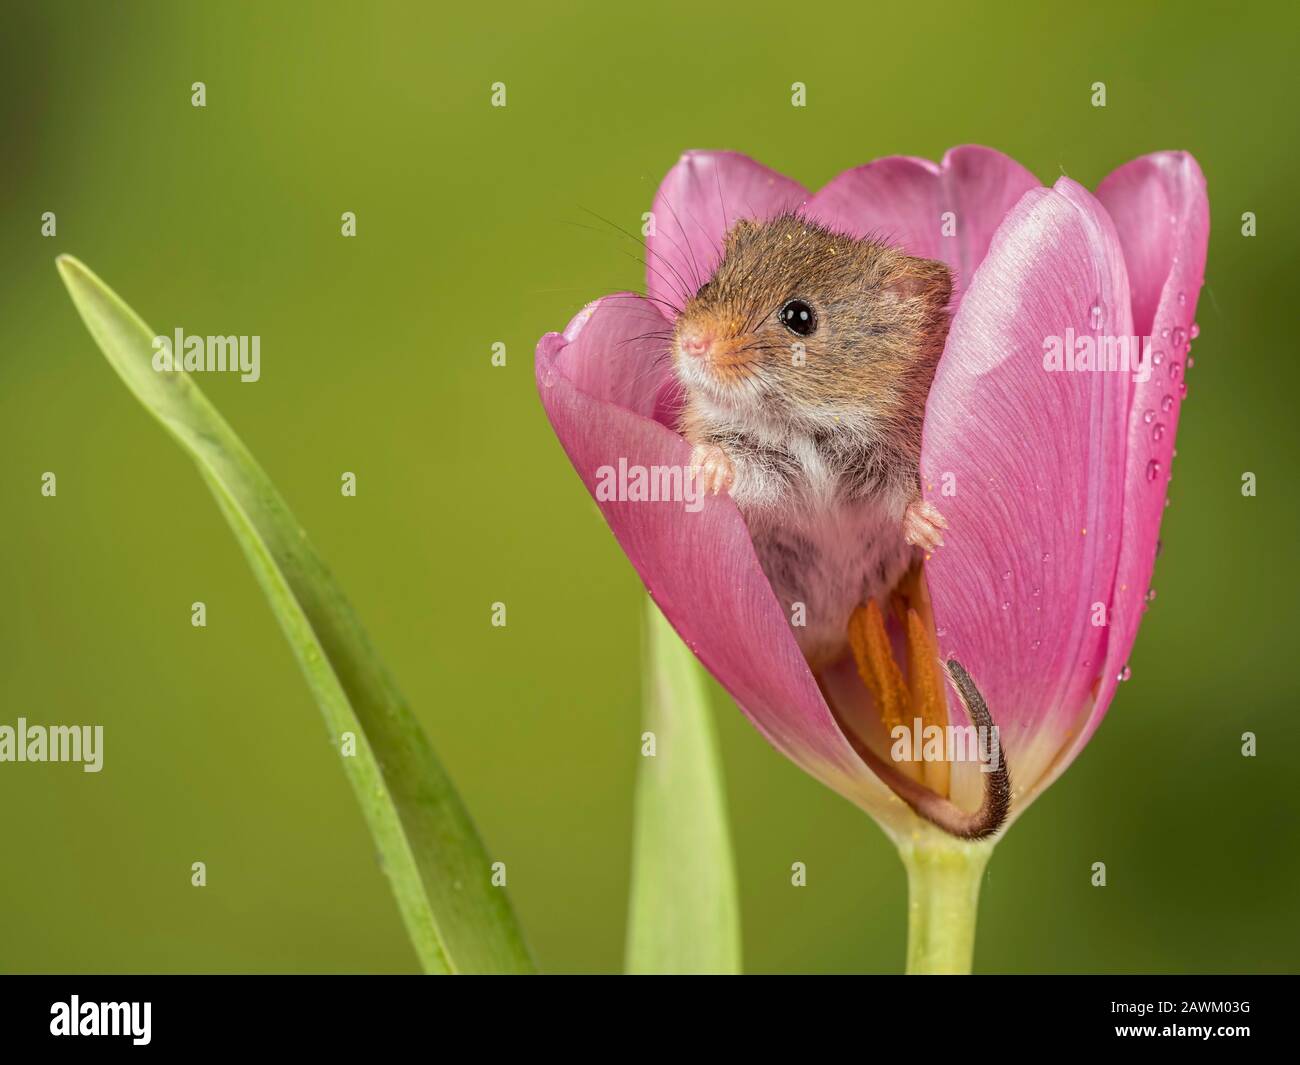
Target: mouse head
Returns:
[801, 323]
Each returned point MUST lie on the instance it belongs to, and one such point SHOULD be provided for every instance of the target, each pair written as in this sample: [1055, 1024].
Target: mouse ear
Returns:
[925, 279]
[742, 229]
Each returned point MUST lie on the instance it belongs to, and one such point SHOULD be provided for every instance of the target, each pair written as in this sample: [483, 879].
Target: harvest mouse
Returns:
[805, 361]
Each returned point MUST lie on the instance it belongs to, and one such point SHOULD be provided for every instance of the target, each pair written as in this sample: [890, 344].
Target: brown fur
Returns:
[881, 326]
[822, 455]
[825, 451]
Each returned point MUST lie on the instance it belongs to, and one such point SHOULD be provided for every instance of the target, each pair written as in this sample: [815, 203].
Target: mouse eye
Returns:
[798, 317]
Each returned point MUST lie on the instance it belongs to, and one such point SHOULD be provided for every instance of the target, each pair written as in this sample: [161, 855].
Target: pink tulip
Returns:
[1053, 483]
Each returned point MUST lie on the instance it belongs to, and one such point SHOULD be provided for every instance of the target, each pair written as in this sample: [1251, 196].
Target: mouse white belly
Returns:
[830, 561]
[827, 541]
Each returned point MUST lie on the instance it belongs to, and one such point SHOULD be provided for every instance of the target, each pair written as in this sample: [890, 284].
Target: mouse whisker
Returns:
[655, 368]
[666, 337]
[687, 253]
[690, 247]
[722, 203]
[681, 288]
[679, 291]
[638, 297]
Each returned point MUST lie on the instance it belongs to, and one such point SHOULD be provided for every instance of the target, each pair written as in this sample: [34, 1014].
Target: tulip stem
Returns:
[943, 889]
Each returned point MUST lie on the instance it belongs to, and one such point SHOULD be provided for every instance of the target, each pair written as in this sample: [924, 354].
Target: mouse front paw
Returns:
[923, 525]
[713, 468]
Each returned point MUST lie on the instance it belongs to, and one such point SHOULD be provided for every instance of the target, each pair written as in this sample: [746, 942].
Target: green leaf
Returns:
[683, 916]
[427, 844]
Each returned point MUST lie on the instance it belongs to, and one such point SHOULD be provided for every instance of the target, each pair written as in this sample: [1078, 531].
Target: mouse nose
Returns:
[696, 343]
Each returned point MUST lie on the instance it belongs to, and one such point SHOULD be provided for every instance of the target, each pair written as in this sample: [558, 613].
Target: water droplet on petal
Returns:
[1148, 416]
[941, 632]
[1164, 333]
[1047, 556]
[1196, 330]
[1182, 298]
[1182, 389]
[1190, 362]
[1153, 470]
[1037, 644]
[1167, 404]
[1125, 673]
[1006, 604]
[1096, 315]
[1175, 368]
[1151, 594]
[1157, 431]
[1180, 335]
[1158, 358]
[1006, 575]
[1037, 592]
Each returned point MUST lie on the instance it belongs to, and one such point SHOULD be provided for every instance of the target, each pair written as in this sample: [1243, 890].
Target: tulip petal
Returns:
[904, 200]
[1013, 590]
[698, 565]
[697, 202]
[630, 364]
[1161, 213]
[1159, 206]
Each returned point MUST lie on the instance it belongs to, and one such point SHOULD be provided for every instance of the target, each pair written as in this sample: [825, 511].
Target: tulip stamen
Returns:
[877, 667]
[926, 683]
[922, 697]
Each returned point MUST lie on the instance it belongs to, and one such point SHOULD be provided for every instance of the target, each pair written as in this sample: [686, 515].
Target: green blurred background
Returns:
[376, 359]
